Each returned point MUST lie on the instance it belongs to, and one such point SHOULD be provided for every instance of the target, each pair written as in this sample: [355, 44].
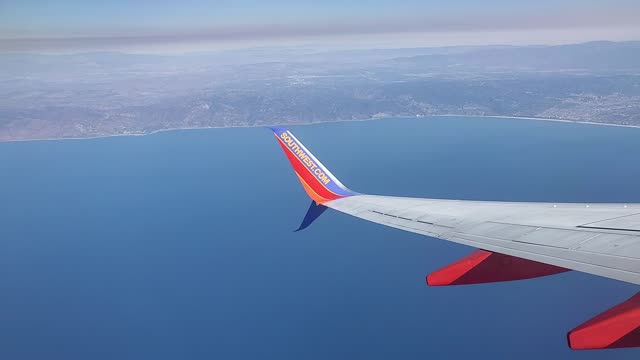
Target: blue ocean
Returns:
[180, 245]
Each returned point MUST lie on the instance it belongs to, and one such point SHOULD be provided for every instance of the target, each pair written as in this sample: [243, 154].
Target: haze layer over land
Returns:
[104, 94]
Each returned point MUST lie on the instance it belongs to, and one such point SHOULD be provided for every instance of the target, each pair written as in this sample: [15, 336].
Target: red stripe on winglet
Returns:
[308, 177]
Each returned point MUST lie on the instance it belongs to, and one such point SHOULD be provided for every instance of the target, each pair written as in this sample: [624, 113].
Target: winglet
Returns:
[319, 183]
[313, 213]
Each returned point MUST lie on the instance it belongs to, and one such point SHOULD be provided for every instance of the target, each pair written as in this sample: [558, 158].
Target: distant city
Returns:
[105, 94]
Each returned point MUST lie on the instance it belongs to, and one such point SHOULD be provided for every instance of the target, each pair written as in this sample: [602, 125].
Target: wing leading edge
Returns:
[519, 240]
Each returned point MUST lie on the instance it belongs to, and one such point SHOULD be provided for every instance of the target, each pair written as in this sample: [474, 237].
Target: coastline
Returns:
[540, 119]
[330, 121]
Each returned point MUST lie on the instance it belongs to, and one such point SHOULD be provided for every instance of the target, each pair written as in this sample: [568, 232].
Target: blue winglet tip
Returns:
[313, 213]
[275, 129]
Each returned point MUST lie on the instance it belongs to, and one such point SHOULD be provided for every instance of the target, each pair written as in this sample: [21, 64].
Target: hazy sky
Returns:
[194, 24]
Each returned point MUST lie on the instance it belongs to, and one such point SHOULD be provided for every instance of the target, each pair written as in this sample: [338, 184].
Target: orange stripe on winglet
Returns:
[312, 194]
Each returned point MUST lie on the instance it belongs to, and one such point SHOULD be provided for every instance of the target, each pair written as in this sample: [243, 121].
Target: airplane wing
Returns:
[516, 240]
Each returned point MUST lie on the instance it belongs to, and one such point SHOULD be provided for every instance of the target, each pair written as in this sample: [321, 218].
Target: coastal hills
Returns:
[105, 94]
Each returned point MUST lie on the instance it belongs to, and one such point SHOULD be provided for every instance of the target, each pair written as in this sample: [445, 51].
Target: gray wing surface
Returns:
[600, 239]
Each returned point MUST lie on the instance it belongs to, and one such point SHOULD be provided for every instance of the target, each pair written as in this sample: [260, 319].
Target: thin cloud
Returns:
[587, 19]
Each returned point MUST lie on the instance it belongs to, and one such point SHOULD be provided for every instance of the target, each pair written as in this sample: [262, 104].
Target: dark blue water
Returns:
[180, 244]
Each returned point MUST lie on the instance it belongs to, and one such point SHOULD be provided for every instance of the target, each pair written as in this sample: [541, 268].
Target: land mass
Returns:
[107, 94]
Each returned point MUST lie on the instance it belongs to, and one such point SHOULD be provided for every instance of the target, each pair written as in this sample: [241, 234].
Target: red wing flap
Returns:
[485, 267]
[618, 327]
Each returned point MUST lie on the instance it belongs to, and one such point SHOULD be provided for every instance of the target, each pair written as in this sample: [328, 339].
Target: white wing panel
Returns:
[549, 233]
[630, 222]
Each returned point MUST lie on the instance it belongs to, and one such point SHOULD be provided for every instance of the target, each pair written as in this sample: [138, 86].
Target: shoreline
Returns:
[331, 121]
[540, 119]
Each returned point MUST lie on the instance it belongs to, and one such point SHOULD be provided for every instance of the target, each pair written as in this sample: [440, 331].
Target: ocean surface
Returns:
[180, 245]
